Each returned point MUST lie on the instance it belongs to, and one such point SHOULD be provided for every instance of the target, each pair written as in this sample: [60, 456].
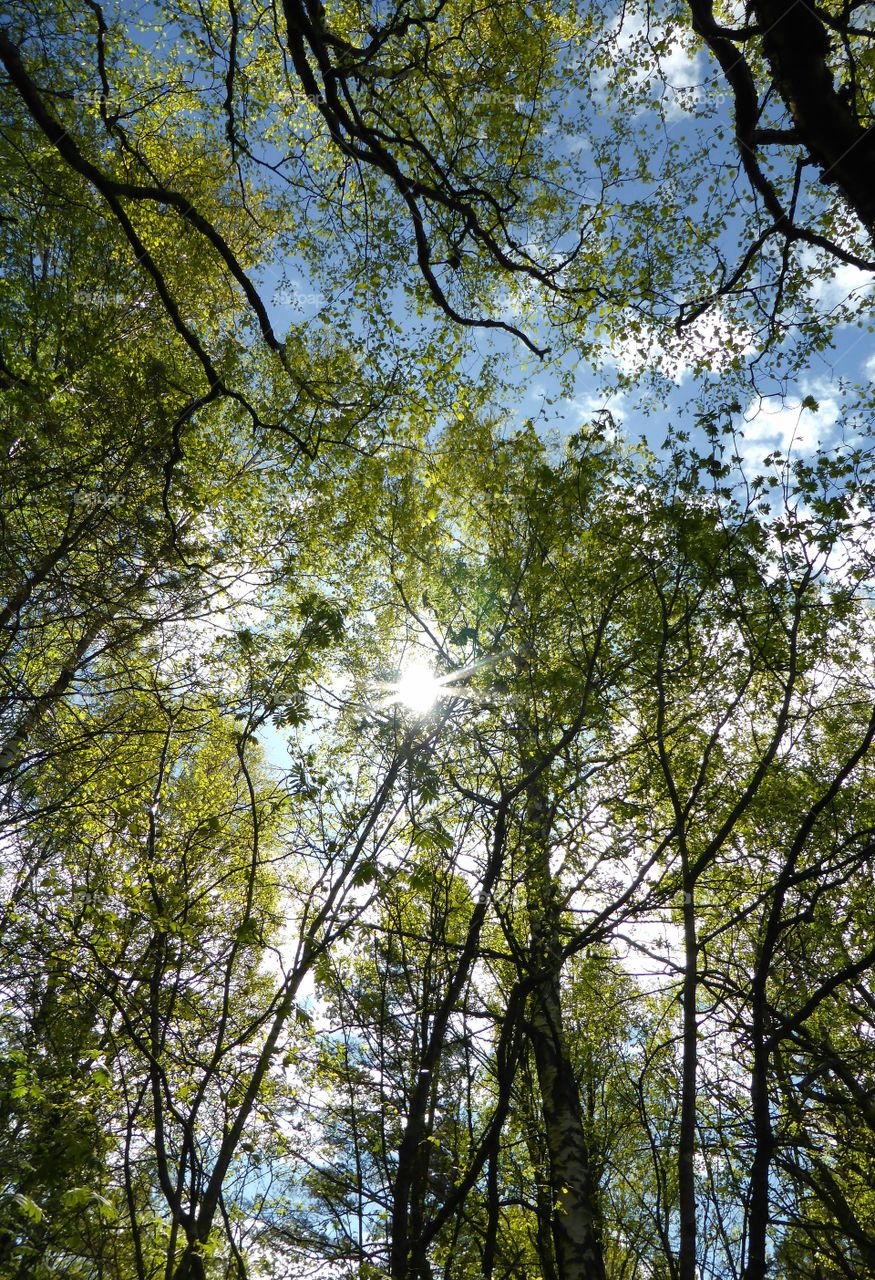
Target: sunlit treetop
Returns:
[578, 178]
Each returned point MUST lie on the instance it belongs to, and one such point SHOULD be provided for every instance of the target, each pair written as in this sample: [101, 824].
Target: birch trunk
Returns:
[576, 1220]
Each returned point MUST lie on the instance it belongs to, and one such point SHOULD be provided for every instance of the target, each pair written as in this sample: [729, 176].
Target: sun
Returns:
[418, 688]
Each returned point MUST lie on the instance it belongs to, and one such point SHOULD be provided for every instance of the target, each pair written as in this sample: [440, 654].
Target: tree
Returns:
[799, 60]
[710, 667]
[560, 970]
[498, 121]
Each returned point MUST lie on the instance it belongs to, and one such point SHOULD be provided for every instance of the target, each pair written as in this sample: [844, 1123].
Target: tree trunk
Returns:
[689, 1077]
[576, 1238]
[576, 1221]
[797, 43]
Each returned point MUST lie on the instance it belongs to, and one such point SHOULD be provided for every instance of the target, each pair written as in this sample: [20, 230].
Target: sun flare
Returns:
[418, 688]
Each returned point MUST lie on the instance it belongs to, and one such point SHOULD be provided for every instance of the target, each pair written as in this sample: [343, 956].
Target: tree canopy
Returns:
[437, 718]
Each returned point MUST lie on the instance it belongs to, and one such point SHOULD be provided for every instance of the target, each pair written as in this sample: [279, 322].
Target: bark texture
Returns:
[576, 1220]
[796, 44]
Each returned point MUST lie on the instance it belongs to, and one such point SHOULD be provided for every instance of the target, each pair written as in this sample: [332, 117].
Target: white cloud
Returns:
[672, 76]
[798, 429]
[681, 69]
[577, 143]
[845, 284]
[590, 404]
[711, 342]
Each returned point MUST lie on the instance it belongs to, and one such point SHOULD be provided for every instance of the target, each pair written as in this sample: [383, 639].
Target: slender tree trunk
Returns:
[689, 1070]
[756, 1266]
[758, 1216]
[405, 1253]
[533, 1134]
[576, 1241]
[576, 1220]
